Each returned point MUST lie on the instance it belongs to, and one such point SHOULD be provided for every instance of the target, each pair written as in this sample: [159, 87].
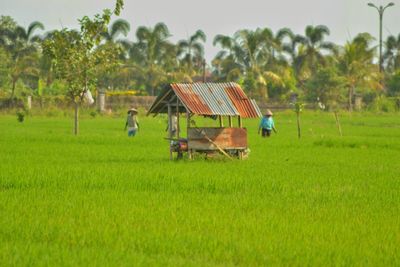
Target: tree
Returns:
[22, 46]
[298, 109]
[75, 57]
[356, 66]
[246, 55]
[325, 86]
[393, 84]
[153, 54]
[192, 50]
[112, 42]
[118, 27]
[310, 52]
[392, 53]
[4, 65]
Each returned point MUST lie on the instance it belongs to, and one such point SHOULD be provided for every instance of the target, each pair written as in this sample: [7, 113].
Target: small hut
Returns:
[220, 101]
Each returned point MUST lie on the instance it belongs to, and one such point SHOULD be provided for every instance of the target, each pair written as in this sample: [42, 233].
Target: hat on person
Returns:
[268, 113]
[133, 110]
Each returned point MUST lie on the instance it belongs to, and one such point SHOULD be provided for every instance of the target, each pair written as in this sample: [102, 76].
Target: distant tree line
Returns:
[267, 64]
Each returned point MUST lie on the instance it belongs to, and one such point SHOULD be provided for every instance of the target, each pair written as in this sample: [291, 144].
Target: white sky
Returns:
[345, 18]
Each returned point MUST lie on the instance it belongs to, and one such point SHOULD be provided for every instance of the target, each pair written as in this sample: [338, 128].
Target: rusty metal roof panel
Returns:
[226, 99]
[219, 90]
[247, 107]
[206, 96]
[191, 99]
[259, 113]
[216, 98]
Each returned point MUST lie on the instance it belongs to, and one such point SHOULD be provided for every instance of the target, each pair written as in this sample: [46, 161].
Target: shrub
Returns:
[383, 104]
[20, 116]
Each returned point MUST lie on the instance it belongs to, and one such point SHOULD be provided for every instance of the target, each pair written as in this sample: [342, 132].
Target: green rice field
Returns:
[103, 199]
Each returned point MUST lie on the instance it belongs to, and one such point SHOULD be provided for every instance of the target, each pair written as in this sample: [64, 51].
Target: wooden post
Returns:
[240, 122]
[101, 101]
[76, 118]
[177, 119]
[230, 121]
[298, 125]
[190, 152]
[221, 121]
[29, 102]
[338, 123]
[169, 129]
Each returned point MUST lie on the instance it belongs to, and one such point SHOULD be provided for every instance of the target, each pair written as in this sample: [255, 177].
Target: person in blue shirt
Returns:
[267, 125]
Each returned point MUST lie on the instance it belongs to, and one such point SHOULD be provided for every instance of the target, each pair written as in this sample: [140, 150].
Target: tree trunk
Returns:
[298, 125]
[14, 82]
[76, 122]
[13, 89]
[49, 79]
[351, 90]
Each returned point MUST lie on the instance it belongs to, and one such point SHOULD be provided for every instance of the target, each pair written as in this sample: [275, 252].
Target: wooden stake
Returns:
[338, 123]
[298, 125]
[230, 121]
[76, 119]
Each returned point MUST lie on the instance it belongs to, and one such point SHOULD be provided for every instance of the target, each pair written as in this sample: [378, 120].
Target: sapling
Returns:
[76, 55]
[298, 108]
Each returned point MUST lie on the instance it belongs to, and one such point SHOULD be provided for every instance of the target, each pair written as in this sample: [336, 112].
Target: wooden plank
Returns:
[212, 142]
[225, 138]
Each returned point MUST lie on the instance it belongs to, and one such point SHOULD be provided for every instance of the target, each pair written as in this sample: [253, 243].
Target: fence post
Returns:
[101, 101]
[29, 102]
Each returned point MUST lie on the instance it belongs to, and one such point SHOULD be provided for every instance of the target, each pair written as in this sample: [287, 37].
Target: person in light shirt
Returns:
[132, 122]
[267, 125]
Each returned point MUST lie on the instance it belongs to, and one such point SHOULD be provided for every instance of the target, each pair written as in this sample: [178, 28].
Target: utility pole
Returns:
[380, 10]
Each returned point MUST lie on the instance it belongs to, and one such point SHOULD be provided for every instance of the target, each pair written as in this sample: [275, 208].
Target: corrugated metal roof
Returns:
[243, 104]
[188, 94]
[226, 99]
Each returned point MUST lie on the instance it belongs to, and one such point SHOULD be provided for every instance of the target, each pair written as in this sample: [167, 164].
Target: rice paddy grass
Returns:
[103, 199]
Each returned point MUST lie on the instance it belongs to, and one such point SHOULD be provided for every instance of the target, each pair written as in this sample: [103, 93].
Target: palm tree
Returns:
[118, 27]
[392, 53]
[22, 45]
[192, 50]
[310, 53]
[152, 55]
[356, 65]
[274, 44]
[120, 47]
[248, 53]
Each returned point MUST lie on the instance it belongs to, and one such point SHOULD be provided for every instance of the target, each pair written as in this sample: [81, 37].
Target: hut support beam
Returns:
[190, 152]
[169, 129]
[230, 121]
[177, 118]
[221, 121]
[240, 122]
